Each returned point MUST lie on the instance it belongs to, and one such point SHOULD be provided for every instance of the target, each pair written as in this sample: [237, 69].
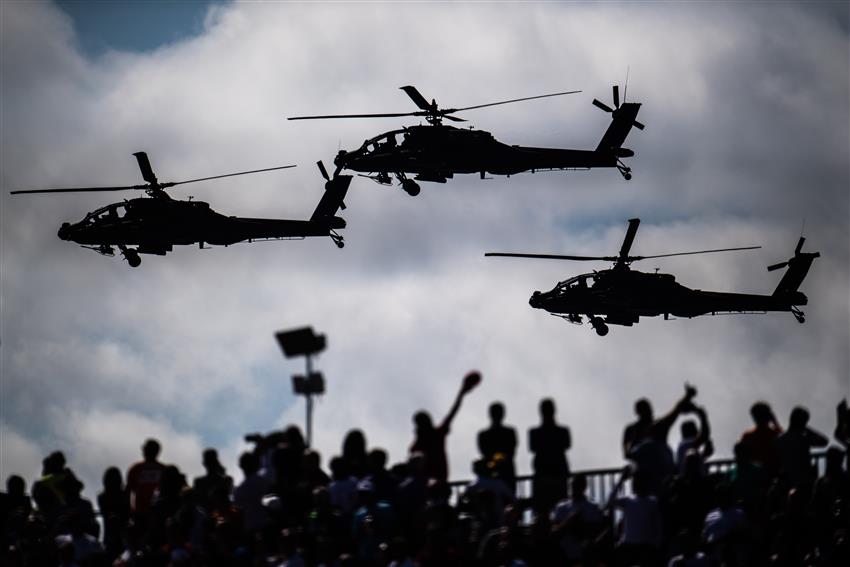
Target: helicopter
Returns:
[435, 152]
[156, 223]
[620, 295]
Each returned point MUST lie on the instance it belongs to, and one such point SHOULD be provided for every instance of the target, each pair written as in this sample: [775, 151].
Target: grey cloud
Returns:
[746, 114]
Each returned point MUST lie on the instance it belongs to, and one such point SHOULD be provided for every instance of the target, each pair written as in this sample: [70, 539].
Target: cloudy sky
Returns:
[747, 112]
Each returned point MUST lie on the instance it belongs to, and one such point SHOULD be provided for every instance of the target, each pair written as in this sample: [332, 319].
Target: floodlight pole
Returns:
[309, 397]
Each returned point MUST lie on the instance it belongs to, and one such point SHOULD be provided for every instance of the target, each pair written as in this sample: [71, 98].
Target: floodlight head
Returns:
[300, 342]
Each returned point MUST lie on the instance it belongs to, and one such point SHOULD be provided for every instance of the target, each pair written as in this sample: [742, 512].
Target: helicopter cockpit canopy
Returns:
[109, 213]
[583, 281]
[383, 142]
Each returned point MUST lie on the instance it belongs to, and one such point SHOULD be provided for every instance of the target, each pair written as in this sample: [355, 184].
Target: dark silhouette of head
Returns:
[312, 460]
[54, 463]
[150, 450]
[578, 486]
[497, 413]
[422, 421]
[211, 462]
[112, 480]
[15, 486]
[377, 460]
[643, 409]
[799, 419]
[354, 445]
[761, 413]
[339, 468]
[689, 429]
[295, 439]
[249, 463]
[547, 410]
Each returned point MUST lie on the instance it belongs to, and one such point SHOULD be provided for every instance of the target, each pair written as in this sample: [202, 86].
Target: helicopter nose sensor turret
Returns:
[535, 300]
[64, 230]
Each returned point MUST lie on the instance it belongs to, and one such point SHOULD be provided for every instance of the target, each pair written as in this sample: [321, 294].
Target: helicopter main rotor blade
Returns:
[629, 239]
[81, 189]
[449, 110]
[145, 167]
[602, 105]
[417, 97]
[173, 183]
[453, 118]
[384, 115]
[635, 258]
[551, 256]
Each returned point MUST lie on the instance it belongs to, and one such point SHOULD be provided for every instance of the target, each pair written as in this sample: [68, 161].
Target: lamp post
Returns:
[304, 342]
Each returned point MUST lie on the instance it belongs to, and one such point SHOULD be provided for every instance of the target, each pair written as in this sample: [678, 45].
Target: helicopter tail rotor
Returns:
[329, 183]
[615, 92]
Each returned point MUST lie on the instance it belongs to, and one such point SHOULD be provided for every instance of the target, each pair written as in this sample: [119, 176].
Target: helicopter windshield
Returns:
[583, 281]
[386, 141]
[108, 213]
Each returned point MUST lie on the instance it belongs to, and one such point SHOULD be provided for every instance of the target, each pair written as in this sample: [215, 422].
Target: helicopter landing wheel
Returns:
[340, 244]
[411, 187]
[627, 176]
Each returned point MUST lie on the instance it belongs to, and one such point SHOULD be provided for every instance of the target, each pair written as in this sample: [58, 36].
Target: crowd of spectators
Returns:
[772, 507]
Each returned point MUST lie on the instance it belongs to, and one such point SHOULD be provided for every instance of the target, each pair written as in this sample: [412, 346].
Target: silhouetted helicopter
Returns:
[156, 223]
[436, 152]
[620, 296]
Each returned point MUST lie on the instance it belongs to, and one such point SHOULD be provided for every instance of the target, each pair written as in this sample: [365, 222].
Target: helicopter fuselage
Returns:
[156, 224]
[437, 152]
[622, 296]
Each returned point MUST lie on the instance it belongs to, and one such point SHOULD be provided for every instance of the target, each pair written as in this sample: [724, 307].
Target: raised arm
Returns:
[662, 426]
[470, 381]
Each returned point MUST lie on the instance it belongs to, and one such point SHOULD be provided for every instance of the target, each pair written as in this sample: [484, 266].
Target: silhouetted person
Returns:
[248, 495]
[646, 424]
[431, 441]
[760, 441]
[695, 438]
[795, 449]
[642, 529]
[500, 440]
[215, 479]
[576, 522]
[343, 486]
[384, 483]
[114, 505]
[143, 479]
[78, 508]
[549, 443]
[15, 506]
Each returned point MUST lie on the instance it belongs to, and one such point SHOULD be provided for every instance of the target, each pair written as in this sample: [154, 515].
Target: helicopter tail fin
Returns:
[622, 121]
[332, 200]
[798, 268]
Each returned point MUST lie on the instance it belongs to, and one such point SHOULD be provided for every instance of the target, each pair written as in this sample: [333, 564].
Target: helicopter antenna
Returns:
[626, 84]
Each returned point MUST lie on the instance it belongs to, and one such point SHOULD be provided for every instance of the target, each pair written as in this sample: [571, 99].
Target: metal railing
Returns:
[601, 482]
